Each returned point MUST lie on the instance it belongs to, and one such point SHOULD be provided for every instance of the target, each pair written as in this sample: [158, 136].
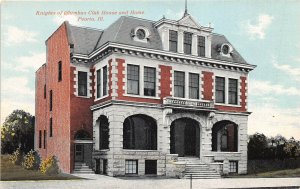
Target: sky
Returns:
[265, 33]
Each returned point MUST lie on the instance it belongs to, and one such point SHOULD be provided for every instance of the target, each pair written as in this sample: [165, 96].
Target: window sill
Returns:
[139, 96]
[102, 97]
[231, 105]
[132, 150]
[83, 96]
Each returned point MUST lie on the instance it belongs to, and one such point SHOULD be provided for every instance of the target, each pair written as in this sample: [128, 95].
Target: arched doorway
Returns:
[224, 136]
[83, 145]
[185, 137]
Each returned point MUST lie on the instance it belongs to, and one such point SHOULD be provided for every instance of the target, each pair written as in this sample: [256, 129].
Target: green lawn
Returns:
[271, 174]
[10, 172]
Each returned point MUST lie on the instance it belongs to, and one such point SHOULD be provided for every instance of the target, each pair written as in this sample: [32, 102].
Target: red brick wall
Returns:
[81, 116]
[57, 50]
[207, 86]
[165, 81]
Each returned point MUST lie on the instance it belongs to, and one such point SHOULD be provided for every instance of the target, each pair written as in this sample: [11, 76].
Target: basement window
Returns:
[233, 166]
[131, 166]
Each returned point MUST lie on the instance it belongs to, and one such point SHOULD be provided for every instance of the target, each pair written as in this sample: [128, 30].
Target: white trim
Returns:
[100, 67]
[141, 96]
[89, 81]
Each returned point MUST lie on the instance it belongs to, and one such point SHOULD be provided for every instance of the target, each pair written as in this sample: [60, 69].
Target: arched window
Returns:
[82, 135]
[224, 136]
[104, 133]
[139, 132]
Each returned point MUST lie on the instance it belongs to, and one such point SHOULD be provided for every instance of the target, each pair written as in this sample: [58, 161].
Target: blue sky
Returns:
[266, 33]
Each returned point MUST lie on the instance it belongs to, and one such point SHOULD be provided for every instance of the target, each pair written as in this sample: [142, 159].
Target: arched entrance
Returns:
[83, 146]
[185, 137]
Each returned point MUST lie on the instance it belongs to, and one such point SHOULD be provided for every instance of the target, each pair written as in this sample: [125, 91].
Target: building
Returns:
[143, 97]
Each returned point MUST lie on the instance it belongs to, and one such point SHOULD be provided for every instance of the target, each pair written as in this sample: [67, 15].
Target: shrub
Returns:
[16, 157]
[49, 166]
[31, 160]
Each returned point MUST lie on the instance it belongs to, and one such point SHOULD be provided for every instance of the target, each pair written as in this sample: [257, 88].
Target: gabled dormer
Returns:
[185, 36]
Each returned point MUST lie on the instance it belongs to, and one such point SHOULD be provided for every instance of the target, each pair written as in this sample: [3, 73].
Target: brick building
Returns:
[143, 97]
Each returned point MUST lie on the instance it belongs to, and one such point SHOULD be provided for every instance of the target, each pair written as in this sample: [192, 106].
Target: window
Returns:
[179, 80]
[51, 100]
[98, 83]
[232, 91]
[59, 71]
[173, 38]
[104, 80]
[133, 79]
[51, 129]
[220, 90]
[45, 91]
[149, 81]
[40, 138]
[82, 84]
[139, 132]
[194, 86]
[187, 43]
[225, 136]
[201, 46]
[45, 139]
[151, 167]
[141, 34]
[233, 166]
[131, 166]
[104, 133]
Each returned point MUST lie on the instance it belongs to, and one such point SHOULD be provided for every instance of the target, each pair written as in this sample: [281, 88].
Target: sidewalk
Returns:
[104, 182]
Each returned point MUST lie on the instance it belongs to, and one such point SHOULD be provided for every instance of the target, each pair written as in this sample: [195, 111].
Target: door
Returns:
[190, 140]
[78, 152]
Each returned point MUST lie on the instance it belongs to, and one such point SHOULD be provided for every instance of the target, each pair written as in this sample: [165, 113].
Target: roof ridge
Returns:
[138, 18]
[119, 28]
[84, 27]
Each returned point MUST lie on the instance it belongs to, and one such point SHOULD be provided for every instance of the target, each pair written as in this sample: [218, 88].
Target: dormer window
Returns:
[201, 46]
[188, 43]
[226, 49]
[173, 38]
[141, 34]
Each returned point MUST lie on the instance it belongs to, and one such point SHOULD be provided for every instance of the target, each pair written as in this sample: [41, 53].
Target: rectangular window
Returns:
[131, 166]
[45, 139]
[59, 71]
[201, 46]
[40, 138]
[149, 81]
[82, 84]
[133, 76]
[51, 129]
[179, 81]
[45, 91]
[104, 80]
[233, 166]
[187, 40]
[51, 100]
[194, 86]
[220, 90]
[98, 83]
[232, 91]
[151, 167]
[173, 38]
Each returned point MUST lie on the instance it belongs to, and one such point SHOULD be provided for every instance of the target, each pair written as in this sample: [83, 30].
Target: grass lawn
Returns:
[272, 174]
[10, 172]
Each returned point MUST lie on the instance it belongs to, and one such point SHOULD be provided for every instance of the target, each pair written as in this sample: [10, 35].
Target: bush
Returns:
[49, 166]
[16, 157]
[31, 160]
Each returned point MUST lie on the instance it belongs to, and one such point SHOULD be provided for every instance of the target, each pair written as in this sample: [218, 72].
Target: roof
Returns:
[87, 40]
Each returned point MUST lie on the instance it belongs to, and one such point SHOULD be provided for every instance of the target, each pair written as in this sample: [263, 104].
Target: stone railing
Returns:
[187, 103]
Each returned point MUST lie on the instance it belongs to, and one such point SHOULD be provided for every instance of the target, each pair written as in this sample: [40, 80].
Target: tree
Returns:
[257, 145]
[17, 132]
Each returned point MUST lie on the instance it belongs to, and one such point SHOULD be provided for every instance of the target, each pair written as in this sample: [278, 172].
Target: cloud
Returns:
[73, 19]
[16, 94]
[170, 14]
[261, 88]
[293, 72]
[258, 30]
[15, 35]
[29, 63]
[272, 120]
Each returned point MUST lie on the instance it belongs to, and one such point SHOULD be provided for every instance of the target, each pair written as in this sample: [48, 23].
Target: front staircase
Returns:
[82, 168]
[197, 169]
